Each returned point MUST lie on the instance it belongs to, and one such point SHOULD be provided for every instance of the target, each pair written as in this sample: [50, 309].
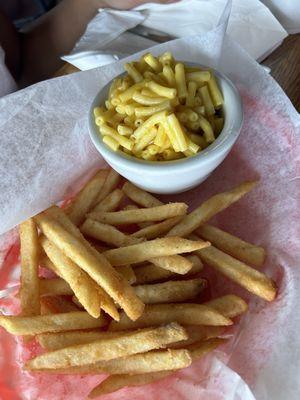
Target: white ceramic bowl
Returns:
[178, 175]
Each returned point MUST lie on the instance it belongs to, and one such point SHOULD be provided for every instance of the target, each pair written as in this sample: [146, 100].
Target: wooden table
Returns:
[285, 67]
[284, 63]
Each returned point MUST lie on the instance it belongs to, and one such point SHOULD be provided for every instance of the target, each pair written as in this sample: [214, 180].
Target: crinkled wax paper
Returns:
[46, 149]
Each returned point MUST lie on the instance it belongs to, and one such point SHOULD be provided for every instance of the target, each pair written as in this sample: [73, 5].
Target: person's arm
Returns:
[53, 35]
[37, 51]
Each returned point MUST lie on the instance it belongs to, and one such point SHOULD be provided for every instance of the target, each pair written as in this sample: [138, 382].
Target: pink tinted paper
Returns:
[261, 359]
[265, 216]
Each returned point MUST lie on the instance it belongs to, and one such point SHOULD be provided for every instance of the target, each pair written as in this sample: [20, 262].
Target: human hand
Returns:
[128, 4]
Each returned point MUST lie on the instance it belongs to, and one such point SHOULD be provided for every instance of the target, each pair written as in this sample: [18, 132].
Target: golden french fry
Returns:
[245, 276]
[117, 382]
[93, 263]
[176, 263]
[59, 340]
[200, 349]
[186, 314]
[111, 202]
[151, 249]
[57, 286]
[156, 230]
[139, 196]
[209, 208]
[196, 333]
[230, 305]
[108, 349]
[54, 287]
[150, 273]
[29, 291]
[141, 224]
[77, 302]
[56, 304]
[84, 287]
[232, 245]
[50, 323]
[140, 215]
[197, 264]
[111, 182]
[108, 234]
[159, 360]
[170, 292]
[85, 198]
[99, 247]
[127, 272]
[55, 213]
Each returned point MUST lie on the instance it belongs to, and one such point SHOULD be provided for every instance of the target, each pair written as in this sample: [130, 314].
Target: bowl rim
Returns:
[225, 140]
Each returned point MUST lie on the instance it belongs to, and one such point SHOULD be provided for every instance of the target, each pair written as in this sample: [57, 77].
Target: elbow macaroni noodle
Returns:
[162, 110]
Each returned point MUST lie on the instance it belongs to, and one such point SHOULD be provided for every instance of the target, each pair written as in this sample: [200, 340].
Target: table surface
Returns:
[285, 67]
[284, 63]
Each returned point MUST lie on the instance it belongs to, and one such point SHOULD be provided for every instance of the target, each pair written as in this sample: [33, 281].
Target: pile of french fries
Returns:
[126, 297]
[161, 109]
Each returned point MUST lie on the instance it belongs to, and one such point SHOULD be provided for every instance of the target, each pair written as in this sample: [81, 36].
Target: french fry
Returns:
[139, 196]
[186, 314]
[141, 214]
[134, 207]
[50, 323]
[245, 276]
[196, 334]
[117, 382]
[152, 361]
[84, 287]
[151, 249]
[29, 291]
[55, 213]
[58, 286]
[77, 302]
[200, 349]
[150, 273]
[175, 263]
[54, 287]
[232, 245]
[111, 202]
[94, 264]
[59, 340]
[99, 247]
[156, 230]
[56, 304]
[197, 264]
[108, 234]
[230, 305]
[209, 208]
[111, 182]
[170, 292]
[85, 198]
[108, 349]
[127, 272]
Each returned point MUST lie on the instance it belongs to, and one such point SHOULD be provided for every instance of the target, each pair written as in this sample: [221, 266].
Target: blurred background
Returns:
[24, 11]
